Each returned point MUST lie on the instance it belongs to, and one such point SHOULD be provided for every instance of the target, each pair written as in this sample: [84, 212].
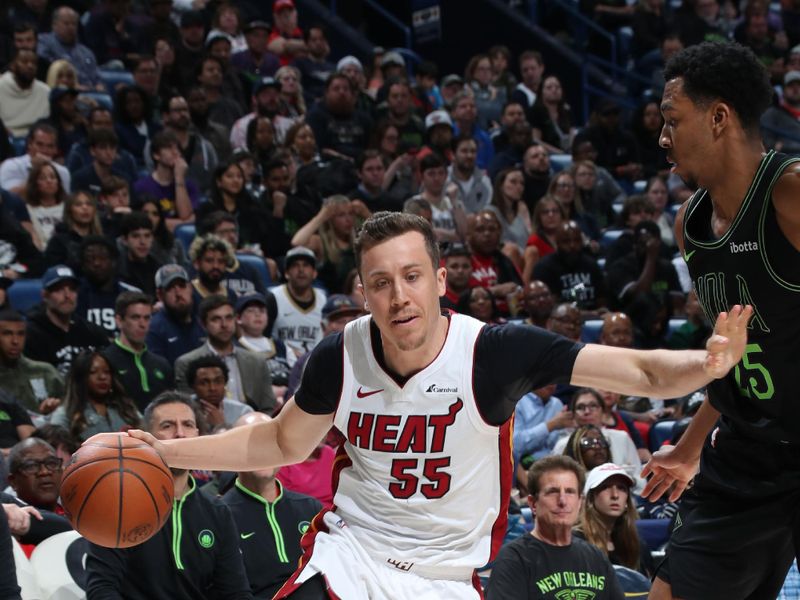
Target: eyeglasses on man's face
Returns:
[31, 467]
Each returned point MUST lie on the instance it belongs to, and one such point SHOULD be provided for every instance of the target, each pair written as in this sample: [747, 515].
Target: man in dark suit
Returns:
[249, 380]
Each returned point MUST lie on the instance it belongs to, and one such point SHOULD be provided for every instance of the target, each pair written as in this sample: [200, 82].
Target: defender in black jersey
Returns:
[736, 529]
[424, 402]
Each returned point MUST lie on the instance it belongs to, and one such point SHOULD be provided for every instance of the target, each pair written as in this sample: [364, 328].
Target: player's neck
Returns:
[406, 363]
[737, 168]
[181, 484]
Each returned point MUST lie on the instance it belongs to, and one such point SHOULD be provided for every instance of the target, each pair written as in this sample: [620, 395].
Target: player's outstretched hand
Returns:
[725, 347]
[670, 471]
[148, 438]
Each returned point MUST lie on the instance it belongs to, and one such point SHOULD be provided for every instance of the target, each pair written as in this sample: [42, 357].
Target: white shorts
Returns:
[351, 573]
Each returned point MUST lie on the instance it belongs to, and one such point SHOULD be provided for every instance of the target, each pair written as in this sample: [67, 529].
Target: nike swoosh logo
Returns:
[123, 371]
[172, 339]
[244, 536]
[689, 255]
[362, 394]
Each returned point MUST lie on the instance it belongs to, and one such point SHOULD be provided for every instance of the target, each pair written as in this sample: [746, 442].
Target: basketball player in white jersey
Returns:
[424, 400]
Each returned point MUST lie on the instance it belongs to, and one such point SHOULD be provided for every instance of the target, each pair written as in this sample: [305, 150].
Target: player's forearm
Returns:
[239, 449]
[692, 440]
[671, 373]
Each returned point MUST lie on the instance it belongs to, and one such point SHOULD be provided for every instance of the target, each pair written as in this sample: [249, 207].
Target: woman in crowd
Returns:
[229, 195]
[291, 90]
[330, 235]
[166, 247]
[597, 199]
[588, 446]
[478, 302]
[511, 211]
[261, 141]
[548, 215]
[646, 127]
[608, 518]
[169, 77]
[228, 20]
[61, 73]
[656, 191]
[300, 141]
[44, 197]
[94, 400]
[562, 188]
[401, 179]
[133, 121]
[551, 117]
[80, 219]
[489, 99]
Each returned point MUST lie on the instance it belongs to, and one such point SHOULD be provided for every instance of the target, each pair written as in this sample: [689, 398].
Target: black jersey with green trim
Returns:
[752, 263]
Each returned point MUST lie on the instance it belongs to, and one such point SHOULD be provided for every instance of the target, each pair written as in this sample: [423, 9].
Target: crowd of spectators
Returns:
[184, 182]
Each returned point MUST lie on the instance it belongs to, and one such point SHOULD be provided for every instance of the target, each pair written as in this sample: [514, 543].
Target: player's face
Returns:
[173, 421]
[557, 504]
[402, 290]
[686, 136]
[611, 498]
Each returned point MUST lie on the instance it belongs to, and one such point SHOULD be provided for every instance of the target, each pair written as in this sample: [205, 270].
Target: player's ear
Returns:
[720, 115]
[441, 280]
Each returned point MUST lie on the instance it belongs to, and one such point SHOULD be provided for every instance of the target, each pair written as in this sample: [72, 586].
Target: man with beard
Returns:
[196, 554]
[784, 118]
[572, 275]
[271, 520]
[54, 333]
[339, 128]
[538, 303]
[459, 270]
[99, 284]
[517, 140]
[474, 187]
[299, 303]
[315, 68]
[249, 378]
[200, 156]
[536, 169]
[62, 43]
[23, 99]
[211, 256]
[491, 268]
[175, 329]
[513, 112]
[215, 133]
[266, 103]
[26, 37]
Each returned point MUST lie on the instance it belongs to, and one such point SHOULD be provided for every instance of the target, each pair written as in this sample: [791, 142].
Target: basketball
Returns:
[117, 491]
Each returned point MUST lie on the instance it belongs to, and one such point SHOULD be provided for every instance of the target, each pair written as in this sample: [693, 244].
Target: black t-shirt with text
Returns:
[529, 569]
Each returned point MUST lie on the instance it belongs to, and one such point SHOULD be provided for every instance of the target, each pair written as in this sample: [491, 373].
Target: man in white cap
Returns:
[351, 67]
[550, 562]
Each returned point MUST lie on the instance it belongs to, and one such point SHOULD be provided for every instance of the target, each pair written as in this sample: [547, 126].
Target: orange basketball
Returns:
[117, 491]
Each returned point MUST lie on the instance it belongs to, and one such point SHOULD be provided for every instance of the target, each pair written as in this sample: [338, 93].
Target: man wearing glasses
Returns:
[35, 474]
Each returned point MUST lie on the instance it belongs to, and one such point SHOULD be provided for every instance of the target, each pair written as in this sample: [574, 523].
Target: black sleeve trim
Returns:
[323, 378]
[514, 359]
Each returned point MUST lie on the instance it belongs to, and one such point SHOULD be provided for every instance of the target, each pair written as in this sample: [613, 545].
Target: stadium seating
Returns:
[112, 79]
[590, 331]
[25, 293]
[258, 264]
[185, 233]
[560, 162]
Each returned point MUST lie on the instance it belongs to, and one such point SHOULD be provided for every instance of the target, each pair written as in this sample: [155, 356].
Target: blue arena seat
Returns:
[25, 293]
[102, 99]
[18, 144]
[560, 162]
[112, 79]
[654, 531]
[609, 237]
[639, 186]
[673, 326]
[590, 331]
[185, 233]
[257, 262]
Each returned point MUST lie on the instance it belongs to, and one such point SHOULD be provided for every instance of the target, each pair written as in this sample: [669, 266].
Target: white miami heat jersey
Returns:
[300, 329]
[422, 480]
